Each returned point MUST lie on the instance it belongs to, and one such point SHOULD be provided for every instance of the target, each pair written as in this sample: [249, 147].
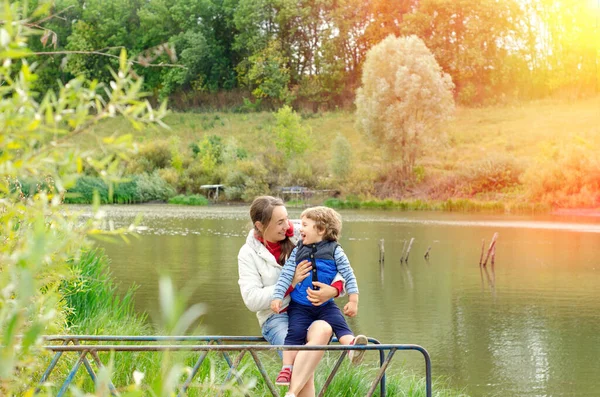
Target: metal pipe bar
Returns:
[381, 372]
[158, 338]
[49, 369]
[332, 374]
[427, 371]
[98, 348]
[71, 375]
[195, 370]
[233, 370]
[264, 374]
[223, 348]
[111, 387]
[87, 365]
[382, 383]
[225, 355]
[151, 338]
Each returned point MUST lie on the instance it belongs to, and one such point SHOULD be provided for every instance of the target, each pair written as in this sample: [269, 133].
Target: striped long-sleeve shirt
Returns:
[328, 264]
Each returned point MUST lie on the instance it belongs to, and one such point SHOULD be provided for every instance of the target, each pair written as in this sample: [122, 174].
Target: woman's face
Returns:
[275, 230]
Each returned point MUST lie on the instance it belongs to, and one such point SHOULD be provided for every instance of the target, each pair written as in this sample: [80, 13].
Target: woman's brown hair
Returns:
[261, 210]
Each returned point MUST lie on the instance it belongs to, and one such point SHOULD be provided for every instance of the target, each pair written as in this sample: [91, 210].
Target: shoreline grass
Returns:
[194, 199]
[450, 205]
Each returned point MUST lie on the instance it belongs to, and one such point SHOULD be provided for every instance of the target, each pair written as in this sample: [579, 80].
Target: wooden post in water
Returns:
[493, 255]
[408, 251]
[381, 251]
[426, 256]
[403, 249]
[492, 245]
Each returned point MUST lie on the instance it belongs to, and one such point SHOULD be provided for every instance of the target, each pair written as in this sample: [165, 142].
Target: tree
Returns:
[293, 139]
[403, 98]
[470, 40]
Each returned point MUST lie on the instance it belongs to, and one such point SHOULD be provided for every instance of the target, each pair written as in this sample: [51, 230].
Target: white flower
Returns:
[138, 377]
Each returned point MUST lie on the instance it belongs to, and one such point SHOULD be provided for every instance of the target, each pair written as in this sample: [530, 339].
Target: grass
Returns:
[194, 199]
[95, 308]
[450, 205]
[481, 155]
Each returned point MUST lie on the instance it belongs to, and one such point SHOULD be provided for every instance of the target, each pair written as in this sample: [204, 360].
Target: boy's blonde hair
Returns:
[326, 219]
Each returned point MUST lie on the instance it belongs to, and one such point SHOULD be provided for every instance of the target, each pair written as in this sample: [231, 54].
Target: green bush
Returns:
[137, 189]
[151, 187]
[83, 191]
[189, 200]
[152, 156]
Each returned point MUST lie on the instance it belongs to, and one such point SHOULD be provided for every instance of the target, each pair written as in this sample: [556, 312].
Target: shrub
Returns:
[137, 189]
[189, 200]
[152, 156]
[151, 187]
[83, 191]
[292, 138]
[568, 178]
[170, 175]
[492, 174]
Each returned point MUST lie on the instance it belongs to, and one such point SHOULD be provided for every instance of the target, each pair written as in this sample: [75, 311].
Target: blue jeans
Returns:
[275, 329]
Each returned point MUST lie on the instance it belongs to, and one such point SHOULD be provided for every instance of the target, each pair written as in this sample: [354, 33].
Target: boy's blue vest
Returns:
[323, 254]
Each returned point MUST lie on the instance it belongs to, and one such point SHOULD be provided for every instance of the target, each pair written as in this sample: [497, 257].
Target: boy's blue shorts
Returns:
[301, 317]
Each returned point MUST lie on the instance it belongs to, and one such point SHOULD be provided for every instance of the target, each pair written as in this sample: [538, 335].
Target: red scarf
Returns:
[275, 248]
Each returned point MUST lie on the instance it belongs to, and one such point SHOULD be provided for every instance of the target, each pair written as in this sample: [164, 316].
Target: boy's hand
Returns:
[276, 305]
[351, 309]
[302, 271]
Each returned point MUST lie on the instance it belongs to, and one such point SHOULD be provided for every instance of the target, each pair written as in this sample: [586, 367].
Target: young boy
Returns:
[320, 230]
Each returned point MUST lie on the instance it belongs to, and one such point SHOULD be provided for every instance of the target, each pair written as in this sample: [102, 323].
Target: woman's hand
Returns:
[302, 271]
[322, 295]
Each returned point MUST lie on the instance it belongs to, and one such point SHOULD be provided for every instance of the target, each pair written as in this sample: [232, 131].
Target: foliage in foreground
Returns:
[38, 236]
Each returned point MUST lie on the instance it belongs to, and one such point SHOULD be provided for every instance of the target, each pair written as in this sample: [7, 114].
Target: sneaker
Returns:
[356, 356]
[284, 377]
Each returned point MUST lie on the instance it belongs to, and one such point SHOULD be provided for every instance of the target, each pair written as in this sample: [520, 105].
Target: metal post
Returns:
[332, 374]
[195, 370]
[381, 372]
[71, 375]
[264, 374]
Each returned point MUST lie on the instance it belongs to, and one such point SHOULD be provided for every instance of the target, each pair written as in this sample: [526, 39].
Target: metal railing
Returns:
[88, 345]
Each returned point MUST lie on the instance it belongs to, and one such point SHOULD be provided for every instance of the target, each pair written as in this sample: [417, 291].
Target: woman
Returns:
[260, 261]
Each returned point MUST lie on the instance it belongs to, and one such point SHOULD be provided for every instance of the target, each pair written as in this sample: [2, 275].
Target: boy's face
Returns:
[309, 232]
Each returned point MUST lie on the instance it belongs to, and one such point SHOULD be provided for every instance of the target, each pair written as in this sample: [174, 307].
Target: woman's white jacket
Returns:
[258, 274]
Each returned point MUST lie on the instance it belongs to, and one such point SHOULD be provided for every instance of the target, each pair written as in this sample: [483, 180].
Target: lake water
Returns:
[529, 328]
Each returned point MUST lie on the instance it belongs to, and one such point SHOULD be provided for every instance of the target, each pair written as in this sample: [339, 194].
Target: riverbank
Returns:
[536, 153]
